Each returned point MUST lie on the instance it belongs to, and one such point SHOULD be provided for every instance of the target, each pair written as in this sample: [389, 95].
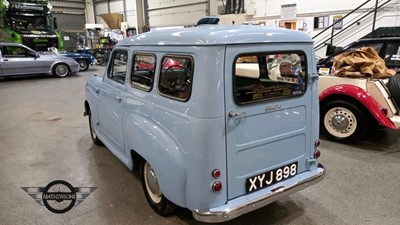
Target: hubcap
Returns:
[94, 136]
[61, 70]
[340, 122]
[152, 183]
[82, 65]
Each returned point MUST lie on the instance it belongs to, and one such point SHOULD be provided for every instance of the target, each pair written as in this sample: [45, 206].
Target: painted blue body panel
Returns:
[185, 141]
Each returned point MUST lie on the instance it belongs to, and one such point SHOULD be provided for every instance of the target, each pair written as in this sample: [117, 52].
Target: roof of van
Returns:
[215, 35]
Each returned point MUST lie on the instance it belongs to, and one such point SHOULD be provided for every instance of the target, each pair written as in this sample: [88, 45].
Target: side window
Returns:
[142, 75]
[392, 55]
[117, 69]
[17, 52]
[176, 77]
[260, 77]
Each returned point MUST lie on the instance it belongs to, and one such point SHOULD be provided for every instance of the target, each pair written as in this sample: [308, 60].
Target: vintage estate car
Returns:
[17, 59]
[221, 120]
[83, 59]
[349, 106]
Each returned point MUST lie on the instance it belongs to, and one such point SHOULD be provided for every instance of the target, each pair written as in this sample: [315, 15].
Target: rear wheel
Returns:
[83, 65]
[343, 121]
[61, 70]
[158, 202]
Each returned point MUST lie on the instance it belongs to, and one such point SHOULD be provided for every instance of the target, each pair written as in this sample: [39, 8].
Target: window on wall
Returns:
[262, 77]
[321, 22]
[176, 77]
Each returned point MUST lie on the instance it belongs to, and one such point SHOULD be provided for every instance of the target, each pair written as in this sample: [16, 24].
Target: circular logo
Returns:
[59, 196]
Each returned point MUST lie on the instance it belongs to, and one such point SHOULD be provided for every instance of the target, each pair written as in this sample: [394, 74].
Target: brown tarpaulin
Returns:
[360, 63]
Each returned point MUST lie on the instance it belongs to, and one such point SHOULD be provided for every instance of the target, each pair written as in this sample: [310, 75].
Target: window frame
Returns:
[110, 69]
[185, 56]
[137, 85]
[321, 22]
[234, 88]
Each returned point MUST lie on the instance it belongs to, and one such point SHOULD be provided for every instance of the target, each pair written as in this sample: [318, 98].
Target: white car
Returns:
[349, 106]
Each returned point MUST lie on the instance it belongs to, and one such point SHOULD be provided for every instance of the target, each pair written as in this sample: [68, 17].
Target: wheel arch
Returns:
[358, 97]
[163, 153]
[87, 108]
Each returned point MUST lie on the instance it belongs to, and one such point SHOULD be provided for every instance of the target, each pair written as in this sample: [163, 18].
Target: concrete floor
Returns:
[44, 137]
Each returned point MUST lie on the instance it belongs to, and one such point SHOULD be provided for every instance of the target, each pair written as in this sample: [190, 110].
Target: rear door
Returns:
[268, 115]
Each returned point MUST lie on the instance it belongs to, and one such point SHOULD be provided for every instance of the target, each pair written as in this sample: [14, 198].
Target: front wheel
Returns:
[61, 70]
[158, 202]
[343, 121]
[93, 134]
[83, 65]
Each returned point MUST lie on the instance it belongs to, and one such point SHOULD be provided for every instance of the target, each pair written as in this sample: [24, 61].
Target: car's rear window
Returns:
[259, 77]
[176, 77]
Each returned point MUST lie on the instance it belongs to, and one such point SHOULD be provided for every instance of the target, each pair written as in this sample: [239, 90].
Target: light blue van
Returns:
[219, 120]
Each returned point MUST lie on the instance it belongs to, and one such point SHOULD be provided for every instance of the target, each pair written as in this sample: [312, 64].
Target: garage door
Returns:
[70, 25]
[176, 13]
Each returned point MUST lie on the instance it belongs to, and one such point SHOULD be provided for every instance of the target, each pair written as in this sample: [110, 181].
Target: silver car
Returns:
[17, 59]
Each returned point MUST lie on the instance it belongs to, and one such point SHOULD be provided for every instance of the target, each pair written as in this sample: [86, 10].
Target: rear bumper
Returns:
[230, 211]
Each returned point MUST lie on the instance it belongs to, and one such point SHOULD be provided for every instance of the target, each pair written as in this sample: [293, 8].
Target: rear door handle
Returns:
[236, 114]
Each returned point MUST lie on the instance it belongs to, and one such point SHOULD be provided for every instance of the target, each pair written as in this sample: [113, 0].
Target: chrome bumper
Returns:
[238, 210]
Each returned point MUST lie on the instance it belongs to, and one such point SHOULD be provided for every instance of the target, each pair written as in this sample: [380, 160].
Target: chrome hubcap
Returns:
[151, 182]
[61, 70]
[82, 65]
[92, 128]
[340, 122]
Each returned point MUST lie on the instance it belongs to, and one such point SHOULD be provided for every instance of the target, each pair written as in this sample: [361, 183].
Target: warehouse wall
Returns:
[270, 13]
[163, 13]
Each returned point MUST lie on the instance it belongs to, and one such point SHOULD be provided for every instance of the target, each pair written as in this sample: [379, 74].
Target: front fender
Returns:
[161, 150]
[91, 95]
[362, 97]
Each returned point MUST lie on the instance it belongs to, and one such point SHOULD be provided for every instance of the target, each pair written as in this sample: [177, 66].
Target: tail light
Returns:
[216, 173]
[217, 186]
[317, 154]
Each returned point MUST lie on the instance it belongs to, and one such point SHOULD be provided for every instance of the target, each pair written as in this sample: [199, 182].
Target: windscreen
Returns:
[28, 23]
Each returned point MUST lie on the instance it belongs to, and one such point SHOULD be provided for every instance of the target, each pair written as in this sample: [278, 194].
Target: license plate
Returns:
[271, 177]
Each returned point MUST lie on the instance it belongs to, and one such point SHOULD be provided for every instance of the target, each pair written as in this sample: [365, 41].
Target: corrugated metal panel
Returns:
[70, 25]
[164, 13]
[71, 19]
